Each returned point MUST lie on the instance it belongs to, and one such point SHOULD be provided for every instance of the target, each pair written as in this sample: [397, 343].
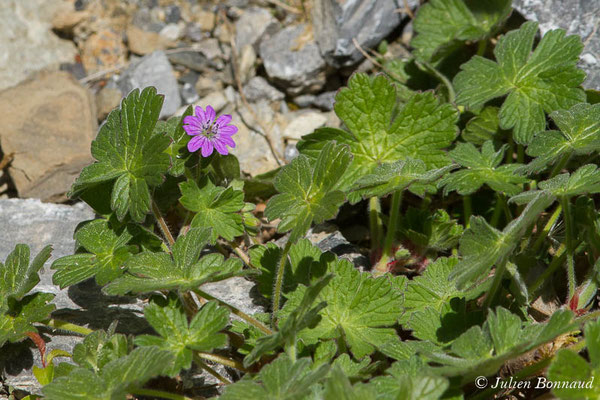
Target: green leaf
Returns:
[421, 128]
[108, 251]
[338, 386]
[306, 262]
[483, 351]
[432, 288]
[579, 134]
[181, 338]
[307, 190]
[281, 379]
[388, 178]
[216, 207]
[482, 127]
[586, 180]
[17, 275]
[440, 23]
[177, 149]
[113, 381]
[543, 81]
[147, 271]
[579, 375]
[430, 232]
[360, 309]
[127, 149]
[300, 318]
[18, 317]
[100, 347]
[409, 379]
[482, 168]
[483, 246]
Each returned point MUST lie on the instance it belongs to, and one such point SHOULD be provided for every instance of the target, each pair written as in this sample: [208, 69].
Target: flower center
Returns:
[210, 130]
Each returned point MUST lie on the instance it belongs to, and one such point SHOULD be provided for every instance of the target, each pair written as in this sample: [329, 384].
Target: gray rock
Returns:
[193, 60]
[577, 17]
[293, 61]
[253, 24]
[27, 42]
[337, 22]
[325, 100]
[290, 152]
[304, 123]
[258, 88]
[188, 93]
[305, 100]
[153, 70]
[327, 237]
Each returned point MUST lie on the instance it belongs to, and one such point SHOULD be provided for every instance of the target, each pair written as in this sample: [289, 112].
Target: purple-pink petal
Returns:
[195, 143]
[223, 120]
[228, 130]
[210, 114]
[227, 140]
[200, 114]
[220, 146]
[207, 148]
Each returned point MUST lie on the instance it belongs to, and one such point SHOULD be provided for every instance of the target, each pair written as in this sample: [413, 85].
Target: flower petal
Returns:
[200, 114]
[192, 130]
[207, 148]
[195, 143]
[220, 146]
[223, 120]
[210, 114]
[227, 140]
[228, 130]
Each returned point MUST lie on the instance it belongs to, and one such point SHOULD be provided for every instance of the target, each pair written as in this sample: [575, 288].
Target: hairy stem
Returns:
[210, 370]
[558, 259]
[481, 47]
[560, 165]
[222, 360]
[158, 393]
[67, 326]
[240, 253]
[566, 205]
[162, 224]
[498, 274]
[500, 205]
[442, 78]
[390, 235]
[375, 224]
[467, 210]
[236, 311]
[544, 233]
[279, 283]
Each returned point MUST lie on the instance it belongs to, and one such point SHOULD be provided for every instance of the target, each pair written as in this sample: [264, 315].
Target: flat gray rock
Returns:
[253, 24]
[577, 17]
[153, 70]
[293, 61]
[337, 22]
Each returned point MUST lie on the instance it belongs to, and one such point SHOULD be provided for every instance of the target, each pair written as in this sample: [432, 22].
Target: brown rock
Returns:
[205, 19]
[48, 122]
[107, 99]
[103, 50]
[67, 20]
[142, 42]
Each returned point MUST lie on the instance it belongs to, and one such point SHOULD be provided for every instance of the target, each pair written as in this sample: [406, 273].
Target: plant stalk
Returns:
[467, 210]
[498, 274]
[210, 370]
[375, 224]
[572, 284]
[162, 224]
[236, 311]
[382, 265]
[279, 283]
[544, 233]
[67, 326]
[556, 261]
[158, 393]
[222, 360]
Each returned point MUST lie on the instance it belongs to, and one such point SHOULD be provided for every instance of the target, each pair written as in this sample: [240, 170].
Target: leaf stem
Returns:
[67, 326]
[375, 224]
[481, 47]
[390, 235]
[222, 360]
[540, 239]
[240, 253]
[158, 393]
[560, 165]
[566, 205]
[556, 261]
[467, 209]
[500, 205]
[236, 311]
[498, 274]
[441, 77]
[210, 370]
[279, 283]
[520, 154]
[162, 224]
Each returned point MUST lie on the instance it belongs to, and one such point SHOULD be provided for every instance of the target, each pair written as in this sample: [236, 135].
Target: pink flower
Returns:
[209, 133]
